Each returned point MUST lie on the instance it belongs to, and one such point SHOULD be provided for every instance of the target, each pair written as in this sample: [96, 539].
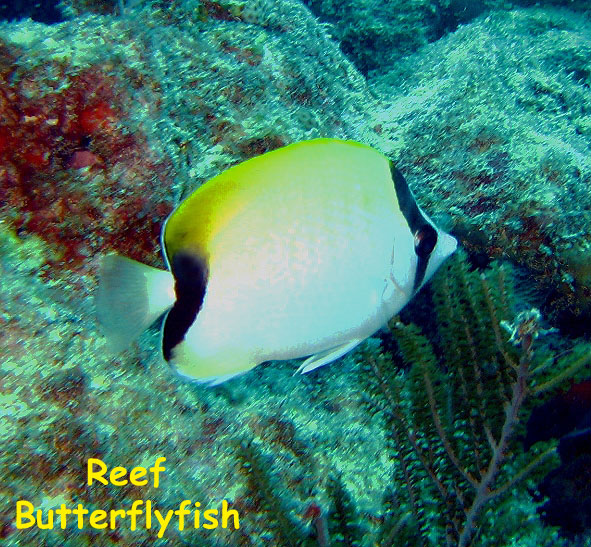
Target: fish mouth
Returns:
[447, 243]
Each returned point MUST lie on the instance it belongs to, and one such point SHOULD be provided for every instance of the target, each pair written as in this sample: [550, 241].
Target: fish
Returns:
[302, 252]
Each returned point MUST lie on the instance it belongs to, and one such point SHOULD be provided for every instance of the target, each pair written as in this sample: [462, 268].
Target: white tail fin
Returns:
[130, 297]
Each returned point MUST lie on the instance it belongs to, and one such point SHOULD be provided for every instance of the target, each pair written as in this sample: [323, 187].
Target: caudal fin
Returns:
[130, 297]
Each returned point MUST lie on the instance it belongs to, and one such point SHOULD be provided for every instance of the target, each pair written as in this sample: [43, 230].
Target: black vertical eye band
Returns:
[424, 233]
[425, 241]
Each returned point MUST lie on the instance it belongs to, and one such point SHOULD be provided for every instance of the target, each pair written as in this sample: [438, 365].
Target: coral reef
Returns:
[299, 445]
[63, 148]
[375, 35]
[491, 121]
[457, 412]
[91, 133]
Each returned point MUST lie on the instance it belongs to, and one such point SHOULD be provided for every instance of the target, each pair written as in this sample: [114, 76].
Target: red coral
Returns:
[96, 119]
[216, 11]
[48, 131]
[84, 158]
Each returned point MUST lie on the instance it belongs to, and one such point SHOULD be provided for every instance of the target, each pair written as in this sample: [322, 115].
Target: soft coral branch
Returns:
[499, 449]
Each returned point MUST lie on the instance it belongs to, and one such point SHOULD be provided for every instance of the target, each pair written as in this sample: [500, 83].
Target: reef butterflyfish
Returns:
[304, 251]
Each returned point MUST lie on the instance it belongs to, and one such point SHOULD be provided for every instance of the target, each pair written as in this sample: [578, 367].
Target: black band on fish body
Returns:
[190, 274]
[424, 233]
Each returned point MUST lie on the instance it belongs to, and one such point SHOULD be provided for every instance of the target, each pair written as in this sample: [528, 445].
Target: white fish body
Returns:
[306, 250]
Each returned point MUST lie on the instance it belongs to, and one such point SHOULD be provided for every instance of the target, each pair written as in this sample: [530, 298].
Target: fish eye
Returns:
[425, 241]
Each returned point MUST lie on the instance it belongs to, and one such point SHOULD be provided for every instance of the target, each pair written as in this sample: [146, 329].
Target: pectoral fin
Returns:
[328, 356]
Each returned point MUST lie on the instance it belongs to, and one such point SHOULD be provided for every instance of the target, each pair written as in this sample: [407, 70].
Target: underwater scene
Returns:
[295, 273]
